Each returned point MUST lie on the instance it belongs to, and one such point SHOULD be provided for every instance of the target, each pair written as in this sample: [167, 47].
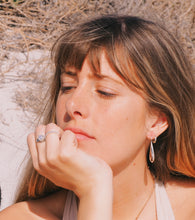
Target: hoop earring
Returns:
[152, 154]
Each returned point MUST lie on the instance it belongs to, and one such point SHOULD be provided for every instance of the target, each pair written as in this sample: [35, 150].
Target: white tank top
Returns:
[163, 206]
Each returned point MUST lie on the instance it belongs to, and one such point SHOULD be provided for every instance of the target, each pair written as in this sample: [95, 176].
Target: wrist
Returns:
[97, 202]
[101, 187]
[96, 183]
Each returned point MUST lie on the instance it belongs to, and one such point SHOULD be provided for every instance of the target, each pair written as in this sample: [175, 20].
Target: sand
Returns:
[16, 121]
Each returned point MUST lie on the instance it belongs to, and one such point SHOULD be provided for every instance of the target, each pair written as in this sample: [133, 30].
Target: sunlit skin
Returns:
[111, 122]
[115, 117]
[98, 150]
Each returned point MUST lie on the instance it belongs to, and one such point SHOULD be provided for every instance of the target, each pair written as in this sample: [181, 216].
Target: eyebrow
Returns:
[95, 75]
[102, 76]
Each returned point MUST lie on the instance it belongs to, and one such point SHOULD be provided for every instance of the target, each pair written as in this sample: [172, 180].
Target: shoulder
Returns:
[50, 207]
[181, 193]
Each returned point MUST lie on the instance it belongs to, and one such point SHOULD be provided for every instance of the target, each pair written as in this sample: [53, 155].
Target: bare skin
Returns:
[181, 195]
[46, 208]
[106, 168]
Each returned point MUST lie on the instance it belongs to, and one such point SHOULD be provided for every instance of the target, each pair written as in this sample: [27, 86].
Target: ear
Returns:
[157, 124]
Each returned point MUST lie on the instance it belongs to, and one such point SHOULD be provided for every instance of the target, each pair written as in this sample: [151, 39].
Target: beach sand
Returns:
[16, 120]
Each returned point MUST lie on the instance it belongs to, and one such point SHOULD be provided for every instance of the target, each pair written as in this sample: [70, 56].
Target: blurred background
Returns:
[28, 29]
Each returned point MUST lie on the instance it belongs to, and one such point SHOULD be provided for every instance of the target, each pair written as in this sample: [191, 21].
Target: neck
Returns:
[132, 186]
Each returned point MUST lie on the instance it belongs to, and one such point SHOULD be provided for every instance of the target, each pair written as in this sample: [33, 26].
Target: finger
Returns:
[53, 135]
[40, 146]
[68, 144]
[69, 139]
[33, 150]
[52, 129]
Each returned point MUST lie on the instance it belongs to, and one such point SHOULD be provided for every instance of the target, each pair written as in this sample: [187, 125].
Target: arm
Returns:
[61, 160]
[98, 203]
[25, 210]
[44, 208]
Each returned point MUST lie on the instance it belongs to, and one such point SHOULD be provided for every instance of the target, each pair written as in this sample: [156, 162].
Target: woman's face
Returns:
[110, 120]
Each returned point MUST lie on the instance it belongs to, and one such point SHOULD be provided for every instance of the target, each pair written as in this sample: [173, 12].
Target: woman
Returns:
[121, 137]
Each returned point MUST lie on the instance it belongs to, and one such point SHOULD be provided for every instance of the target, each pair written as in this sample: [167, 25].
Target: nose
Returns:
[77, 105]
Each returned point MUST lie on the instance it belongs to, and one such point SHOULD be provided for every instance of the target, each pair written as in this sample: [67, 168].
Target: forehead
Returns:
[102, 59]
[100, 70]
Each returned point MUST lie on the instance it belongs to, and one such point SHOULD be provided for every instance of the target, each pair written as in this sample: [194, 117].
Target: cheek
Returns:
[121, 118]
[121, 139]
[122, 128]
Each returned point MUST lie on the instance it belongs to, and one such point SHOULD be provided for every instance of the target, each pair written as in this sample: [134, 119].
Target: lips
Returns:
[80, 134]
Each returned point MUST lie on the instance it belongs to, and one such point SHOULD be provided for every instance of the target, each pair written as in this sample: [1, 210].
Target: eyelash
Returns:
[103, 94]
[66, 89]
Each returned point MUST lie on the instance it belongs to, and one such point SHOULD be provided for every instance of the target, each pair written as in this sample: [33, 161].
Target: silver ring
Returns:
[40, 138]
[51, 132]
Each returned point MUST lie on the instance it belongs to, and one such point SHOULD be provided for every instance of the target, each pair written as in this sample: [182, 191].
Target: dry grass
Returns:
[26, 25]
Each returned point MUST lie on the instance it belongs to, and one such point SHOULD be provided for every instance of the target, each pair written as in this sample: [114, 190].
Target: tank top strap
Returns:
[70, 209]
[163, 205]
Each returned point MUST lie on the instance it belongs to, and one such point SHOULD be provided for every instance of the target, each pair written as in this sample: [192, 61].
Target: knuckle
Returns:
[68, 137]
[30, 137]
[69, 133]
[51, 160]
[42, 164]
[51, 126]
[40, 127]
[65, 155]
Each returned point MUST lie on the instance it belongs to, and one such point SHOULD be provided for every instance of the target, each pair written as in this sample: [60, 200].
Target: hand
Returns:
[59, 159]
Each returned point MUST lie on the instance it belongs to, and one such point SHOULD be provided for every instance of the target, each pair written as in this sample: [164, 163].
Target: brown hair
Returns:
[161, 72]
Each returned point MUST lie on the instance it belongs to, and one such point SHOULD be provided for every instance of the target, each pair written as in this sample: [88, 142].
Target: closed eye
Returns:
[105, 94]
[66, 89]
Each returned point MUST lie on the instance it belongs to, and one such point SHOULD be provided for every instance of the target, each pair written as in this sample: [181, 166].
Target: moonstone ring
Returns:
[40, 138]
